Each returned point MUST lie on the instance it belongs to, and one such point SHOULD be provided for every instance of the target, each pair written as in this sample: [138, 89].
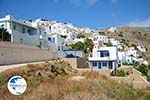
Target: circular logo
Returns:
[17, 85]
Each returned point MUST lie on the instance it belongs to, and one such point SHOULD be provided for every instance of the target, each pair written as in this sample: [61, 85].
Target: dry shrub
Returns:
[92, 74]
[11, 72]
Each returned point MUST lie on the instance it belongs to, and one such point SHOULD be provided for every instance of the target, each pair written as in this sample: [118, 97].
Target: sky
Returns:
[82, 13]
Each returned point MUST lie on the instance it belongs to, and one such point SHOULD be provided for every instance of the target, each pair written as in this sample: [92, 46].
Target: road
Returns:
[6, 67]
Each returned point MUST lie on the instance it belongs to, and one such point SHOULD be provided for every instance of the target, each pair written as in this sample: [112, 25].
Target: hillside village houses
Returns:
[22, 32]
[56, 36]
[36, 32]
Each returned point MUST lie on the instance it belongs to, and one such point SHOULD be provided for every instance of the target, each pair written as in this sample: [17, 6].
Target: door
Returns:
[110, 65]
[99, 65]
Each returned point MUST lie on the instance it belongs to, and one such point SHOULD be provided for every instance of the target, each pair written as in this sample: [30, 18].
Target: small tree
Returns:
[78, 46]
[102, 33]
[4, 35]
[88, 44]
[120, 73]
[80, 36]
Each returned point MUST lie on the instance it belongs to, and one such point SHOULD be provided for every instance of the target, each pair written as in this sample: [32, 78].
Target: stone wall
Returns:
[77, 62]
[11, 53]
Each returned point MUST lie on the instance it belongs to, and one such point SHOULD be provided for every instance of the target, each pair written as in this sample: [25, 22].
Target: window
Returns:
[104, 53]
[104, 64]
[53, 40]
[29, 32]
[110, 65]
[50, 39]
[23, 30]
[2, 26]
[40, 33]
[14, 27]
[94, 64]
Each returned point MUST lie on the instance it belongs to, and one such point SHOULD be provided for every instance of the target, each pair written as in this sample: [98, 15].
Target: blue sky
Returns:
[82, 13]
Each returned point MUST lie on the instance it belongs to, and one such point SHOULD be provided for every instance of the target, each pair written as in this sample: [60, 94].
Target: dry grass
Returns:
[93, 87]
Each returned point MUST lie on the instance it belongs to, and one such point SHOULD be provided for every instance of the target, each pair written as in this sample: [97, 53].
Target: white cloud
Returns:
[92, 2]
[84, 3]
[140, 23]
[114, 1]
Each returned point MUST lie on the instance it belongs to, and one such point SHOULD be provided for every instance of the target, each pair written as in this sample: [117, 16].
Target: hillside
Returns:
[53, 81]
[133, 36]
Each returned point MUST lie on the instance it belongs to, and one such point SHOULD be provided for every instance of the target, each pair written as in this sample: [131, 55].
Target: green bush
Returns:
[143, 69]
[2, 81]
[102, 33]
[120, 73]
[80, 36]
[75, 88]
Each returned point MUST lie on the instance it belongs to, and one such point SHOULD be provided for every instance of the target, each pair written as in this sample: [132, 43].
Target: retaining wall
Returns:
[11, 53]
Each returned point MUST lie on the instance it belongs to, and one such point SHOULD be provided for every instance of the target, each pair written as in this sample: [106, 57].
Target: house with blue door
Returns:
[104, 58]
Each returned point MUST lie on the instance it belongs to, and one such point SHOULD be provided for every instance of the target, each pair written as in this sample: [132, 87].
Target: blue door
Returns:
[99, 65]
[110, 65]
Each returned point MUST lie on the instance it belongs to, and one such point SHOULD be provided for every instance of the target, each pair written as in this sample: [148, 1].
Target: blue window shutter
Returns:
[110, 65]
[53, 40]
[99, 65]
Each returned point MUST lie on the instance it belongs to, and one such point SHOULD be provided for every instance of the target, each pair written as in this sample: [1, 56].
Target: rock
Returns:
[50, 74]
[39, 73]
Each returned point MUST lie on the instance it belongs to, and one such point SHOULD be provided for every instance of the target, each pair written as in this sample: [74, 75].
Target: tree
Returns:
[80, 36]
[78, 46]
[88, 44]
[102, 33]
[120, 73]
[4, 35]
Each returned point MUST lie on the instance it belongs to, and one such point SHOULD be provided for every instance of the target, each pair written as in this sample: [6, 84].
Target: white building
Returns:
[121, 56]
[132, 56]
[78, 40]
[104, 58]
[55, 42]
[132, 52]
[100, 39]
[112, 29]
[86, 30]
[21, 32]
[141, 48]
[116, 43]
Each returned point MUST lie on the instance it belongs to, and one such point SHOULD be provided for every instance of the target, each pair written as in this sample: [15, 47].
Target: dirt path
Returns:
[6, 67]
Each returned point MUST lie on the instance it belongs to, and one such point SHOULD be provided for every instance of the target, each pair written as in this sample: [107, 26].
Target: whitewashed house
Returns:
[55, 42]
[116, 43]
[22, 32]
[112, 29]
[141, 48]
[104, 58]
[101, 38]
[121, 56]
[132, 56]
[78, 40]
[132, 52]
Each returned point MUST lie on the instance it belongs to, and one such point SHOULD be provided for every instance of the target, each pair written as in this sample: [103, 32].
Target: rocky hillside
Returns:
[134, 36]
[53, 81]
